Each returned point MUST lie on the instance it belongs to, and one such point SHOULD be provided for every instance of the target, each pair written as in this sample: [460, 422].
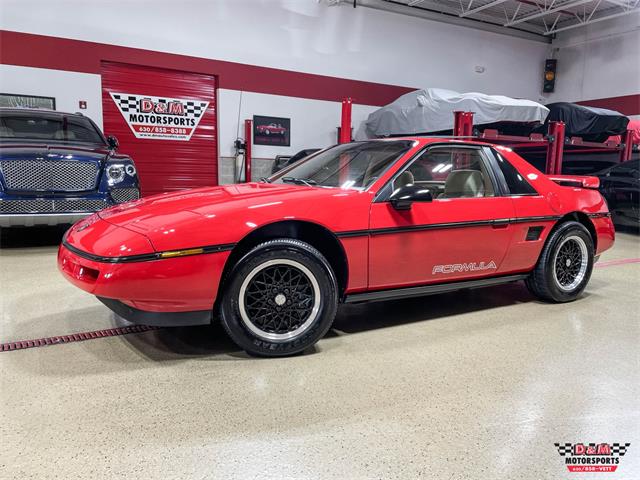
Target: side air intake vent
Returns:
[533, 233]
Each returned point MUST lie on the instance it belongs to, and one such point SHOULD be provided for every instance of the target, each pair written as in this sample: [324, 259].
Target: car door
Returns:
[464, 232]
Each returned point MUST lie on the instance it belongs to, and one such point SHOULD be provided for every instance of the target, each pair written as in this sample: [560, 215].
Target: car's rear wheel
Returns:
[565, 265]
[280, 299]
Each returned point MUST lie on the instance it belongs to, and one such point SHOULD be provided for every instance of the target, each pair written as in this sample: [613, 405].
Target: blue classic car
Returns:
[56, 168]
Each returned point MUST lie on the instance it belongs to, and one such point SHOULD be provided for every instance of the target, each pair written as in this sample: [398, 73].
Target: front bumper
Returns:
[137, 290]
[28, 211]
[157, 319]
[44, 219]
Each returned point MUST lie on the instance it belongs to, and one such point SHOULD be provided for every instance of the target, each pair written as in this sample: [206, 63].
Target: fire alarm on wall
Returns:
[82, 104]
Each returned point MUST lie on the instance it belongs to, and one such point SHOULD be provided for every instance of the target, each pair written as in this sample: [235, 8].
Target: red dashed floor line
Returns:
[73, 337]
[613, 263]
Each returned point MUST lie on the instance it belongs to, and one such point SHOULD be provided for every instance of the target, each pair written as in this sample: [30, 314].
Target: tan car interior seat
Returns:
[464, 184]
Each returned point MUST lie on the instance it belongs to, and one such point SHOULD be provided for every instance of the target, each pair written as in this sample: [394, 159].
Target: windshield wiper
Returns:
[300, 181]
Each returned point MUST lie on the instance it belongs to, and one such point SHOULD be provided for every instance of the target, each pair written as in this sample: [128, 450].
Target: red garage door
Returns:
[166, 121]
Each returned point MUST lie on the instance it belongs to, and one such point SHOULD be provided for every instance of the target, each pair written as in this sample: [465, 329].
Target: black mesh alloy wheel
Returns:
[280, 298]
[565, 264]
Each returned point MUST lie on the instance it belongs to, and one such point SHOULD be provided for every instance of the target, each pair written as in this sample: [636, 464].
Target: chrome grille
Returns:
[50, 206]
[121, 195]
[40, 175]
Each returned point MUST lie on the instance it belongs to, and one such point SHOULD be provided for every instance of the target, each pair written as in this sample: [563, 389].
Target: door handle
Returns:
[500, 223]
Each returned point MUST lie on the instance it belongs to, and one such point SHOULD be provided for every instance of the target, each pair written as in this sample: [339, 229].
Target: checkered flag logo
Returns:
[126, 103]
[564, 449]
[195, 108]
[619, 449]
[161, 118]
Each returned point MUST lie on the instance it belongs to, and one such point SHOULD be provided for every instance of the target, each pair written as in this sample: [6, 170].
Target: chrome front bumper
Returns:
[45, 219]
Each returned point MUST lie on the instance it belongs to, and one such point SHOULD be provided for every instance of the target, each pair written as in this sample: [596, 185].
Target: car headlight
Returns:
[115, 173]
[130, 169]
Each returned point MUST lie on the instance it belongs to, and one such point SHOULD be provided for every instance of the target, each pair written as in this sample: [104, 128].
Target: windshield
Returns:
[350, 165]
[57, 127]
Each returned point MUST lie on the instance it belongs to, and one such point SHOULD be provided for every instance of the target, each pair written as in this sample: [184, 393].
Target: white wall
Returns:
[313, 122]
[301, 35]
[68, 88]
[598, 61]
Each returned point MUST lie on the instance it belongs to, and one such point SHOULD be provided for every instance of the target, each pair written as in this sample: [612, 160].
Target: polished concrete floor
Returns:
[476, 384]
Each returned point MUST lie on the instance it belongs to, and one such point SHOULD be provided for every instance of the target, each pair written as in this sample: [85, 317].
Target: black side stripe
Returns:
[443, 226]
[345, 234]
[147, 257]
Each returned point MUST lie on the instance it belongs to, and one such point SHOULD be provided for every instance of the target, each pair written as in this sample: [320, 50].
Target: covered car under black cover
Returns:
[591, 123]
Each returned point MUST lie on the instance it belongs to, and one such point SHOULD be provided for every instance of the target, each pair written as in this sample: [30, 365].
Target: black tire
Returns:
[256, 321]
[552, 279]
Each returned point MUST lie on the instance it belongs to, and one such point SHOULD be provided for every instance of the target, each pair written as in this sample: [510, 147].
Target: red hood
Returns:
[158, 210]
[220, 215]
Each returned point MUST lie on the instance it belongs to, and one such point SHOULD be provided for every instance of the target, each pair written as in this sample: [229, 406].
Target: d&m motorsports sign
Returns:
[160, 118]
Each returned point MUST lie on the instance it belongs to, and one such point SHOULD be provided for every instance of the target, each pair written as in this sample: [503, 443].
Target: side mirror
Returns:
[403, 197]
[112, 142]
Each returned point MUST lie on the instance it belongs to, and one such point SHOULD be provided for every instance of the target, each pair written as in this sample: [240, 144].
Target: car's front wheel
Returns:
[280, 298]
[565, 265]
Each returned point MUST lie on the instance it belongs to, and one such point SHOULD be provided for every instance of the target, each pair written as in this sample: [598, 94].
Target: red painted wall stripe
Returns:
[627, 104]
[40, 51]
[29, 50]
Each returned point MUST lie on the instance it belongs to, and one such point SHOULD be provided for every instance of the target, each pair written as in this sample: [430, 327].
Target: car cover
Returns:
[431, 110]
[590, 123]
[634, 126]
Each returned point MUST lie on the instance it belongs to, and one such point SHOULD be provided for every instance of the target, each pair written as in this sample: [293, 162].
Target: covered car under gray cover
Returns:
[431, 110]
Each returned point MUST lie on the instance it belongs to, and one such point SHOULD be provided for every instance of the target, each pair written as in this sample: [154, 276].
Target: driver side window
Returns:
[449, 173]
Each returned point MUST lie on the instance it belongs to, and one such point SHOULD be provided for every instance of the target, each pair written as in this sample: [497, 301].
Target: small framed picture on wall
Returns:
[275, 131]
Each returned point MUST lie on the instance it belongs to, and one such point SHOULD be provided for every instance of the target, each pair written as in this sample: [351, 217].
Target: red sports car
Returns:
[271, 129]
[356, 222]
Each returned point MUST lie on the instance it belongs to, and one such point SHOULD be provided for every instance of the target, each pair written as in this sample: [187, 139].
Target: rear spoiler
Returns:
[575, 181]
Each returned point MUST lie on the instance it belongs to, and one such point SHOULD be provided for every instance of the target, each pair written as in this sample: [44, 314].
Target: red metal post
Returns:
[345, 124]
[627, 140]
[462, 124]
[457, 123]
[248, 138]
[467, 129]
[462, 127]
[555, 149]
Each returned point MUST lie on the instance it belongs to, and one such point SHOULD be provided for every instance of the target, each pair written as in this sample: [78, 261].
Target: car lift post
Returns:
[248, 138]
[345, 124]
[555, 148]
[627, 142]
[463, 127]
[462, 124]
